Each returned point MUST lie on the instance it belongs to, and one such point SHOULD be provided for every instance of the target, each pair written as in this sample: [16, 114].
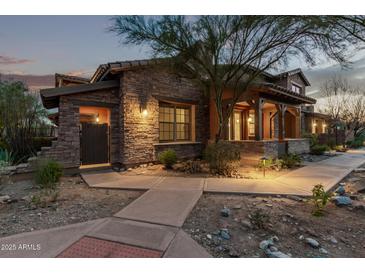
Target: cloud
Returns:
[355, 75]
[7, 60]
[81, 73]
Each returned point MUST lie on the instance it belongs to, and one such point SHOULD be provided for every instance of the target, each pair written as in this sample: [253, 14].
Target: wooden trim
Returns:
[93, 103]
[173, 100]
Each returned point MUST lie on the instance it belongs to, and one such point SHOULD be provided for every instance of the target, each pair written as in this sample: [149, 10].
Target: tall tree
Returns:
[20, 114]
[344, 102]
[221, 52]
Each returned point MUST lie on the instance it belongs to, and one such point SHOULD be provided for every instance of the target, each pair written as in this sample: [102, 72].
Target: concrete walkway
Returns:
[298, 182]
[151, 225]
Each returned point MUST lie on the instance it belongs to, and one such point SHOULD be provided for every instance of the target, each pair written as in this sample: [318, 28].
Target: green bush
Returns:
[319, 149]
[271, 163]
[356, 143]
[340, 148]
[290, 160]
[168, 158]
[320, 199]
[48, 174]
[223, 158]
[313, 138]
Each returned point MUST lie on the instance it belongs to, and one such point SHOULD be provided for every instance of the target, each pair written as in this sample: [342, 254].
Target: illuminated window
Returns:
[175, 122]
[235, 126]
[251, 123]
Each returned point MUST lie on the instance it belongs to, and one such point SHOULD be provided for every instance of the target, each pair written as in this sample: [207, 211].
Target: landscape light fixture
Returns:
[263, 160]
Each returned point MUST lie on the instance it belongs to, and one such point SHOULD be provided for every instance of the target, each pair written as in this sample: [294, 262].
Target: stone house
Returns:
[128, 112]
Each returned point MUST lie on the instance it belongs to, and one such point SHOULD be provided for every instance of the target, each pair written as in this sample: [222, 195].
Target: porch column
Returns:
[281, 108]
[258, 118]
[298, 123]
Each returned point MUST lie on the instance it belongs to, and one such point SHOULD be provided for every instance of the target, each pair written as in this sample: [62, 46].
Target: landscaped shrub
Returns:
[341, 148]
[319, 149]
[271, 163]
[313, 138]
[168, 158]
[356, 143]
[320, 199]
[223, 158]
[290, 160]
[6, 158]
[48, 174]
[45, 197]
[259, 219]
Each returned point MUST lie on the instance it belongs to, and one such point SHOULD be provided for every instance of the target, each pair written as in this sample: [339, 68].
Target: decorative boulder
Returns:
[342, 200]
[341, 190]
[312, 242]
[225, 212]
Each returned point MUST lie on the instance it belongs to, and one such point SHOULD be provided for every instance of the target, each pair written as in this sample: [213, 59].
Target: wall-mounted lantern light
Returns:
[144, 112]
[97, 118]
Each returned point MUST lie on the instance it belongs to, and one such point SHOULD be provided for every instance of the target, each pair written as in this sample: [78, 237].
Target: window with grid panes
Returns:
[174, 122]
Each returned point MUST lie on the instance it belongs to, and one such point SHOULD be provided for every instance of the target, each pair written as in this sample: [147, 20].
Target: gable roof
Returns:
[50, 97]
[70, 78]
[104, 69]
[293, 72]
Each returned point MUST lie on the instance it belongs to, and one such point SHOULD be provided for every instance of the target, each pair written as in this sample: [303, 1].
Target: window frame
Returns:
[176, 106]
[297, 88]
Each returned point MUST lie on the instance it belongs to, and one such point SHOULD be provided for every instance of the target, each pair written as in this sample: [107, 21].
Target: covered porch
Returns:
[266, 121]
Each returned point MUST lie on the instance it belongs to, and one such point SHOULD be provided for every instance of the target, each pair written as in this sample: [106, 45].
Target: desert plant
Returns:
[48, 174]
[318, 149]
[320, 199]
[259, 219]
[168, 158]
[21, 112]
[223, 158]
[44, 198]
[6, 158]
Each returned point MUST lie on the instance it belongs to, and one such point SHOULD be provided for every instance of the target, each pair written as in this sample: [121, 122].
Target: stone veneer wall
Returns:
[252, 151]
[298, 146]
[66, 149]
[184, 151]
[140, 89]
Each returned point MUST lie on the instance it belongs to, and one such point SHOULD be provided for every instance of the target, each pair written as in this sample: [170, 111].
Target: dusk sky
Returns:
[44, 45]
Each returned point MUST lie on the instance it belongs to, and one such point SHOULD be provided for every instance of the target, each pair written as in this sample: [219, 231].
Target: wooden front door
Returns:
[94, 141]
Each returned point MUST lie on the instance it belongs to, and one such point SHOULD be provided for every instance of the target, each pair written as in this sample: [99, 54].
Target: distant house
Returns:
[128, 112]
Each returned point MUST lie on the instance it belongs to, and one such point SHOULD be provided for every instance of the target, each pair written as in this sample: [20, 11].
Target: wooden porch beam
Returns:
[281, 115]
[258, 119]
